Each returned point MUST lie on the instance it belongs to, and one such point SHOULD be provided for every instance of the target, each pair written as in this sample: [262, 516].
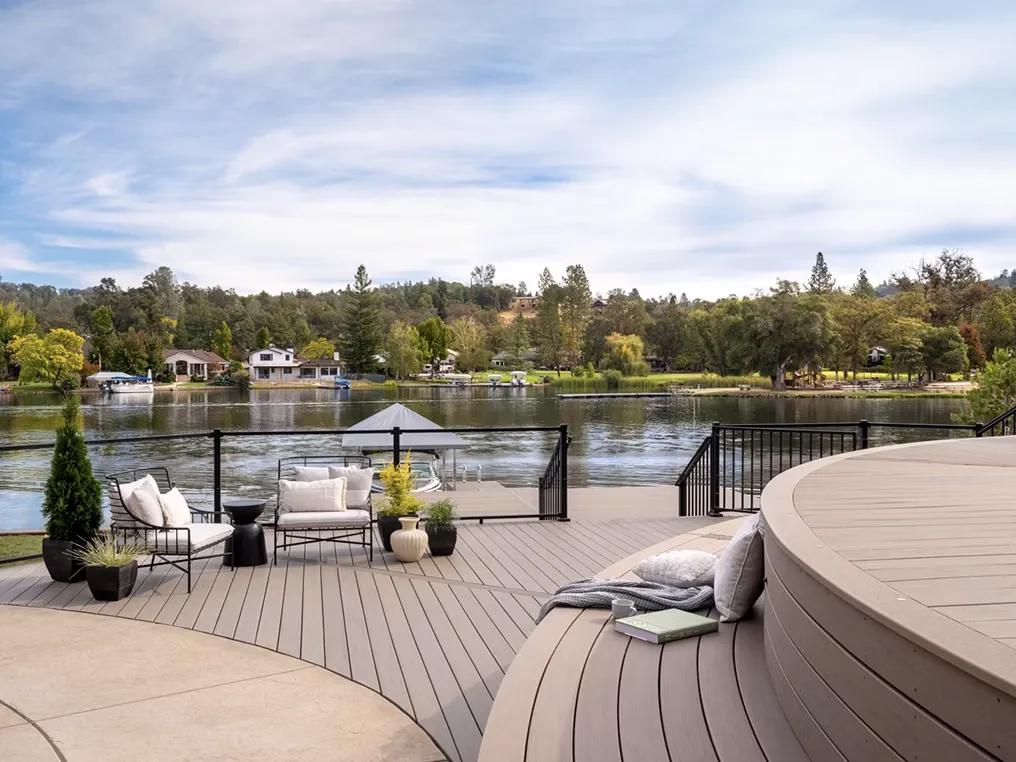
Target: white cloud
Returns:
[278, 146]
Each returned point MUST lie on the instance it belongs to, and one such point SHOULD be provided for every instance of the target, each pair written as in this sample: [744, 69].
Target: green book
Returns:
[664, 626]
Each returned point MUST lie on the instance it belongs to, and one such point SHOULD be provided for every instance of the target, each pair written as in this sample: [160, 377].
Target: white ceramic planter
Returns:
[409, 543]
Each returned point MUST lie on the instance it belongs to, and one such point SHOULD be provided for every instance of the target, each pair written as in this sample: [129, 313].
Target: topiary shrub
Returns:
[72, 506]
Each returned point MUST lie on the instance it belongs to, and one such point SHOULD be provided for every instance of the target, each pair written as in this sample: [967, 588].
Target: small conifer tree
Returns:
[73, 503]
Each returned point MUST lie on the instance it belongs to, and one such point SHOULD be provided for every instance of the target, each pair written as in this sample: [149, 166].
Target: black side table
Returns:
[247, 544]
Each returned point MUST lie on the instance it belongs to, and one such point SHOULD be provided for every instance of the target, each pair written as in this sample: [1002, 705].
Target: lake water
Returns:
[615, 441]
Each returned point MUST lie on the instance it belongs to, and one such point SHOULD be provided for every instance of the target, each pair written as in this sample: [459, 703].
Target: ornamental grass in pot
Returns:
[398, 500]
[110, 569]
[441, 532]
[72, 505]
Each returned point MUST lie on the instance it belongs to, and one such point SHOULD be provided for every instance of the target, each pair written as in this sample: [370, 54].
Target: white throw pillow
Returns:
[175, 512]
[740, 572]
[126, 490]
[678, 568]
[311, 473]
[144, 505]
[306, 497]
[358, 482]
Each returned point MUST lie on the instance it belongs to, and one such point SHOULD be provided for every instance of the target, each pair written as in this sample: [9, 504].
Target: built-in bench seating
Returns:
[579, 692]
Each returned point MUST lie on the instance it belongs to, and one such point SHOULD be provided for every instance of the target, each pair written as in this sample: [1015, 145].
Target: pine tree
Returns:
[361, 325]
[862, 286]
[519, 338]
[821, 280]
[72, 505]
[263, 338]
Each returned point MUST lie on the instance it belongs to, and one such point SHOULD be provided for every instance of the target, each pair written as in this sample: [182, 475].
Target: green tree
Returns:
[624, 354]
[103, 334]
[14, 322]
[302, 335]
[54, 358]
[319, 349]
[576, 309]
[720, 337]
[361, 325]
[904, 338]
[667, 334]
[181, 333]
[862, 286]
[262, 339]
[995, 322]
[72, 505]
[944, 351]
[858, 325]
[995, 390]
[469, 338]
[821, 280]
[403, 355]
[222, 341]
[436, 337]
[786, 332]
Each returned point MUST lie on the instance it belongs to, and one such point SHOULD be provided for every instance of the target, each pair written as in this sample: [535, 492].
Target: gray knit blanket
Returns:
[647, 596]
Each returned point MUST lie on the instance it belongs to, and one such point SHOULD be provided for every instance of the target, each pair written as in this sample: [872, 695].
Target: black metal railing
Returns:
[554, 482]
[733, 465]
[695, 483]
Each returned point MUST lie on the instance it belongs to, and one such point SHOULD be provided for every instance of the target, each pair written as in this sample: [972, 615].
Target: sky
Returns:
[692, 147]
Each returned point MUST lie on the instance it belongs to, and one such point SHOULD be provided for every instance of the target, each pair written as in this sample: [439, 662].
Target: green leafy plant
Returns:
[104, 551]
[441, 513]
[612, 377]
[398, 482]
[72, 506]
[242, 381]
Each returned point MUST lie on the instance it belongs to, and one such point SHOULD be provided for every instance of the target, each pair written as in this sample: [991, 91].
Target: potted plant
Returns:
[72, 505]
[441, 532]
[110, 569]
[398, 501]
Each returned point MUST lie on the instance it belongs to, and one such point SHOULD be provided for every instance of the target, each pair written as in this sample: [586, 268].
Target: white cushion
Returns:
[311, 473]
[174, 541]
[175, 512]
[740, 572]
[304, 497]
[145, 506]
[358, 483]
[118, 509]
[678, 568]
[318, 519]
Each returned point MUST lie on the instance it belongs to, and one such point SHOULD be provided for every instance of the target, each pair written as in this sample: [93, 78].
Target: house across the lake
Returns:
[281, 364]
[508, 359]
[192, 363]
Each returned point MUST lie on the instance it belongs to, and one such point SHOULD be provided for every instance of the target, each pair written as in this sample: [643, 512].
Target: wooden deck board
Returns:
[434, 637]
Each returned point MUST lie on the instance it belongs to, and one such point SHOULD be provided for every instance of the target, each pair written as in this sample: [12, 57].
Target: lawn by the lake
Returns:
[14, 545]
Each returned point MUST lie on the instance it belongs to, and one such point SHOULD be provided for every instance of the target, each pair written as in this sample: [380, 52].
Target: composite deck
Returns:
[434, 637]
[891, 601]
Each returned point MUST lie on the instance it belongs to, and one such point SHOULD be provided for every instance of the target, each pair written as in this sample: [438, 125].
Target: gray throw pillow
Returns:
[740, 572]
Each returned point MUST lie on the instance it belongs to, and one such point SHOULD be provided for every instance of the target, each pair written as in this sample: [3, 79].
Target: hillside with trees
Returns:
[939, 317]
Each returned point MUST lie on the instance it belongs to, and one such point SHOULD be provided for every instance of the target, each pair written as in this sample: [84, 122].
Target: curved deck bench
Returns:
[579, 692]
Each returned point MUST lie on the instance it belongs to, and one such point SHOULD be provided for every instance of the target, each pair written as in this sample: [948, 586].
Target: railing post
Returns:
[217, 474]
[864, 433]
[563, 444]
[714, 472]
[682, 499]
[396, 445]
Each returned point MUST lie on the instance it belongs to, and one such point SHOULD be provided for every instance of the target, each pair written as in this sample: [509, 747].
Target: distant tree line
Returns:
[939, 317]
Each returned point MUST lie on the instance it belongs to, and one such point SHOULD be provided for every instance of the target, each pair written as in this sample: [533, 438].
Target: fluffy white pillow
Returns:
[144, 505]
[316, 496]
[358, 481]
[678, 568]
[740, 572]
[175, 512]
[311, 473]
[126, 490]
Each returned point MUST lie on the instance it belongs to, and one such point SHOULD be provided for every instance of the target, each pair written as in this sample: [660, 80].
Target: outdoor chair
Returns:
[352, 526]
[174, 546]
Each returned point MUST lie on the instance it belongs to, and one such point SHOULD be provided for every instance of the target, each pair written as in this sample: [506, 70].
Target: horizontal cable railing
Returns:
[553, 490]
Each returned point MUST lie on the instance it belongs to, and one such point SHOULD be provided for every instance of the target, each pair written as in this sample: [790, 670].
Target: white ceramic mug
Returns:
[622, 607]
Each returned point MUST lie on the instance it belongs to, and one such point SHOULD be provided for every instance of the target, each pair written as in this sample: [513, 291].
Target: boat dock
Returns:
[613, 395]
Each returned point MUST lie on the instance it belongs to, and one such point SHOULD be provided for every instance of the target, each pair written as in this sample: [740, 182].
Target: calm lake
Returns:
[615, 441]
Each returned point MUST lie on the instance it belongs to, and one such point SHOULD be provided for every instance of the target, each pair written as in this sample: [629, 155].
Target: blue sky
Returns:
[670, 147]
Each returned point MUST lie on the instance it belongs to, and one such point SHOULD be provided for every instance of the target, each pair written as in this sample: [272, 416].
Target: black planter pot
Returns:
[60, 564]
[386, 525]
[441, 538]
[112, 583]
